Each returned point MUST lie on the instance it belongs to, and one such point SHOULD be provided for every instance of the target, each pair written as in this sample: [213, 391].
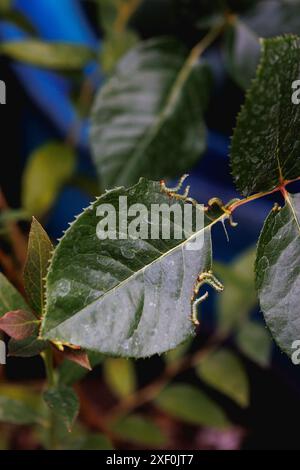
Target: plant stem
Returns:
[48, 361]
[246, 200]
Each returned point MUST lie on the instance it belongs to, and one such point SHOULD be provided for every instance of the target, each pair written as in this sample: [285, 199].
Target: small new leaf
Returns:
[10, 298]
[38, 256]
[79, 357]
[63, 401]
[18, 324]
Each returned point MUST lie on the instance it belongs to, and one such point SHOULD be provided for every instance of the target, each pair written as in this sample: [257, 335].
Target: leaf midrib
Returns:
[128, 279]
[152, 131]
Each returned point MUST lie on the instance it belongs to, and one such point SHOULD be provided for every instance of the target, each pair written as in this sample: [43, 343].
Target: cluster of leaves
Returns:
[131, 298]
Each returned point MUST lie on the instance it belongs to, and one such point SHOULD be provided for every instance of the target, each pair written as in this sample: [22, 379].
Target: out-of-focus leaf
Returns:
[20, 405]
[10, 298]
[115, 46]
[63, 401]
[78, 439]
[114, 15]
[241, 53]
[88, 441]
[13, 215]
[191, 405]
[284, 18]
[24, 393]
[145, 112]
[109, 306]
[255, 342]
[239, 296]
[139, 430]
[266, 141]
[225, 372]
[18, 324]
[107, 13]
[39, 254]
[119, 375]
[15, 412]
[69, 372]
[5, 6]
[50, 55]
[47, 170]
[178, 352]
[278, 272]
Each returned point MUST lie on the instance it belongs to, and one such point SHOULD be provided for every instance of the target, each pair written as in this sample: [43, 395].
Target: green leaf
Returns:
[278, 272]
[116, 44]
[69, 372]
[191, 405]
[88, 441]
[50, 55]
[10, 298]
[179, 352]
[39, 254]
[119, 374]
[15, 412]
[225, 372]
[18, 324]
[241, 53]
[47, 170]
[265, 145]
[112, 11]
[13, 215]
[124, 297]
[148, 120]
[64, 403]
[239, 296]
[255, 342]
[139, 430]
[28, 347]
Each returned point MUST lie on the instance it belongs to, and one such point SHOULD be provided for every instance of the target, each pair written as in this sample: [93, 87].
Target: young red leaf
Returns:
[18, 324]
[80, 357]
